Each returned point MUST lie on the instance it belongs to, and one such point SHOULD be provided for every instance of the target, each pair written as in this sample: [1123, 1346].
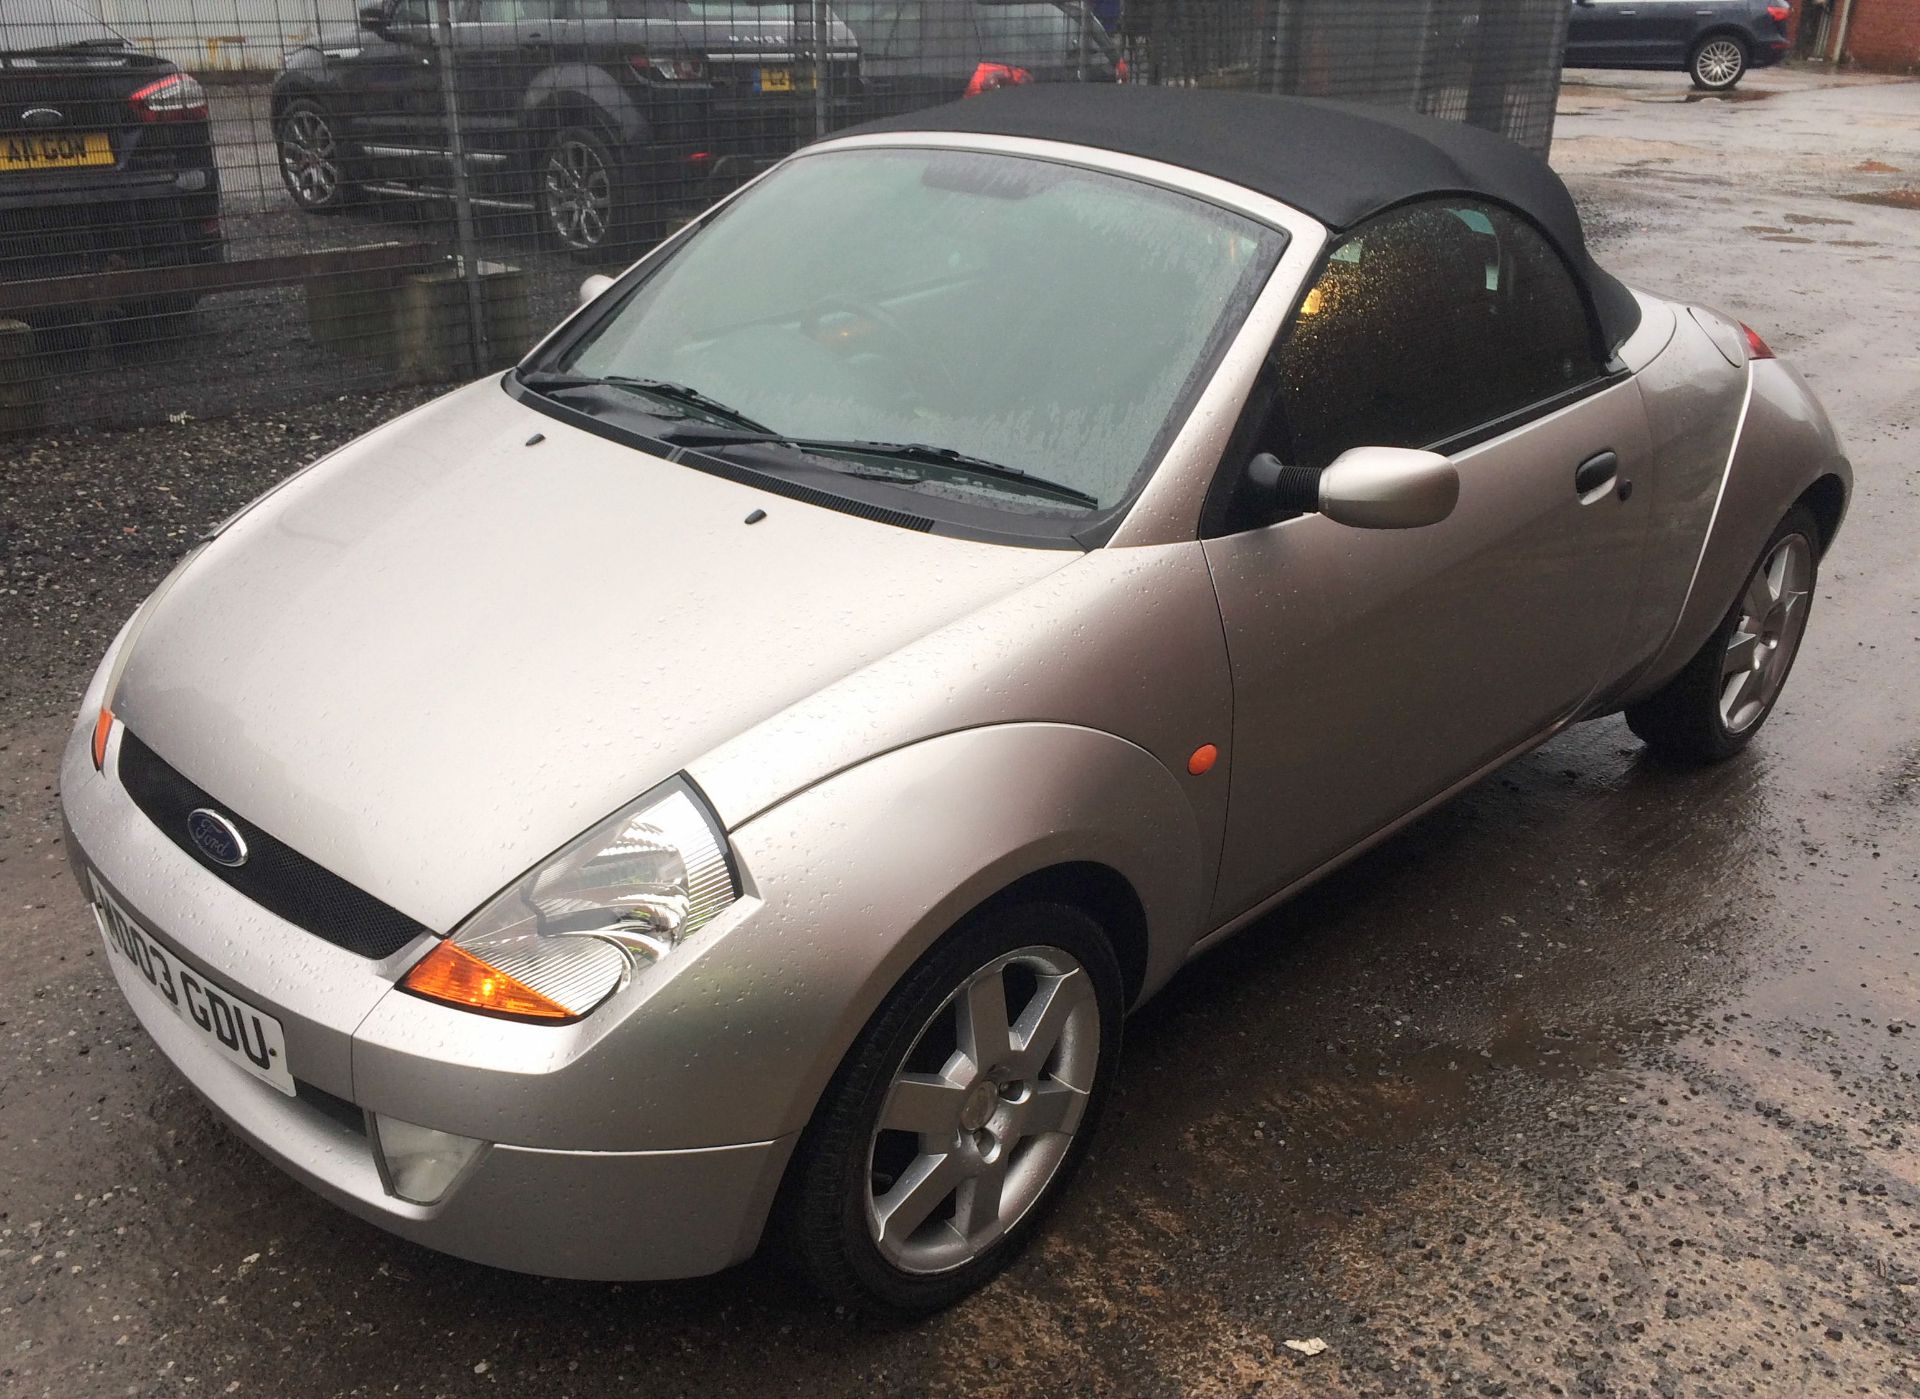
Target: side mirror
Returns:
[593, 286]
[373, 18]
[1367, 487]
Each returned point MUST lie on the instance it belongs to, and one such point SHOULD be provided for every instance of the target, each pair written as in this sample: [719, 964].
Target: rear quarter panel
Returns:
[1711, 526]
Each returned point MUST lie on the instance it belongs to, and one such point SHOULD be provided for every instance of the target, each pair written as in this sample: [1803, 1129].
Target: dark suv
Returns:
[105, 155]
[1716, 41]
[595, 114]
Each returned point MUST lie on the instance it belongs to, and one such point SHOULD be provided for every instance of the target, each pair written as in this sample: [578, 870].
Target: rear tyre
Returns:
[312, 165]
[581, 195]
[1718, 62]
[961, 1112]
[1713, 708]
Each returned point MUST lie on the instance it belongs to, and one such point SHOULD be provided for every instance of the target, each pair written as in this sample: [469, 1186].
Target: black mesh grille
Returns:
[278, 878]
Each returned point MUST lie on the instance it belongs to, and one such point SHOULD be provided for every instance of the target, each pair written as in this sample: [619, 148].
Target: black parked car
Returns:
[106, 160]
[918, 53]
[1715, 41]
[595, 114]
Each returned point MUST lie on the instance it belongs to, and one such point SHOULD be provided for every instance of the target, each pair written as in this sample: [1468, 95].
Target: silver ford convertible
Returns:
[730, 777]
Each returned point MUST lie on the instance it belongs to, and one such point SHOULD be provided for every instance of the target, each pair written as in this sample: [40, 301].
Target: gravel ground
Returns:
[1601, 1079]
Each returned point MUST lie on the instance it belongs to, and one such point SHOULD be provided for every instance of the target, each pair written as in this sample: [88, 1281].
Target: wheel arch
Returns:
[584, 94]
[1827, 498]
[1103, 894]
[1714, 29]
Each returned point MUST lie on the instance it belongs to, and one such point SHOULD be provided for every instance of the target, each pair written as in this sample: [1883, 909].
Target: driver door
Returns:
[394, 92]
[1374, 669]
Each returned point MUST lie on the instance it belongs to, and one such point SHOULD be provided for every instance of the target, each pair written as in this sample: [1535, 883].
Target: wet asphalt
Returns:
[1603, 1078]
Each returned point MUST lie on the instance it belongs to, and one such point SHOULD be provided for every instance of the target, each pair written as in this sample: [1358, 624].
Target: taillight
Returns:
[1120, 70]
[1756, 347]
[673, 68]
[989, 76]
[1779, 13]
[176, 97]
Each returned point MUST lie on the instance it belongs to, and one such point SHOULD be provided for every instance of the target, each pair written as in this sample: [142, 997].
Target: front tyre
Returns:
[1719, 61]
[1713, 708]
[960, 1113]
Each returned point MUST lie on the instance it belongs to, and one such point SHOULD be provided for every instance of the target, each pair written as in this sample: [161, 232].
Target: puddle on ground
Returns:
[1814, 218]
[1876, 167]
[1737, 95]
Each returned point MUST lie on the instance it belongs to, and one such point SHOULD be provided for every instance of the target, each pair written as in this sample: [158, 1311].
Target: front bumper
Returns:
[532, 1206]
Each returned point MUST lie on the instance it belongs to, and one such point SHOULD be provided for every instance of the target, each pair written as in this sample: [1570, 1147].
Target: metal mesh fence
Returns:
[208, 205]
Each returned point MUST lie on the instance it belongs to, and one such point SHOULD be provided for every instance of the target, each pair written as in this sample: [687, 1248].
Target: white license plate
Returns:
[249, 1038]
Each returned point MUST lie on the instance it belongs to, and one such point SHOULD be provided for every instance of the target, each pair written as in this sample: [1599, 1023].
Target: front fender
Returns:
[865, 872]
[1785, 444]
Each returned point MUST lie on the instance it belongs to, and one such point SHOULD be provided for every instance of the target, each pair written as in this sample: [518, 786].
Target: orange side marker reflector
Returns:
[452, 974]
[1203, 759]
[102, 727]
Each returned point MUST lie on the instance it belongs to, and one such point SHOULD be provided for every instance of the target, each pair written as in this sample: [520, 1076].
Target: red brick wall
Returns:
[1885, 35]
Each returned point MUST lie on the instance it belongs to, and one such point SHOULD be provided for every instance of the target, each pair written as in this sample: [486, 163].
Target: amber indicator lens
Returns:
[102, 728]
[451, 974]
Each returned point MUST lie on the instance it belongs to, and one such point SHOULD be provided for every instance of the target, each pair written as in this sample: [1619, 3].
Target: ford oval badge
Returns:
[217, 838]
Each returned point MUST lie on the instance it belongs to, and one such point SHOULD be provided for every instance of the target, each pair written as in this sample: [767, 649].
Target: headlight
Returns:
[569, 934]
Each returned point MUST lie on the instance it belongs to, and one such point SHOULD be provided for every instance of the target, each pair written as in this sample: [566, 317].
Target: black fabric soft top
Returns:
[1338, 162]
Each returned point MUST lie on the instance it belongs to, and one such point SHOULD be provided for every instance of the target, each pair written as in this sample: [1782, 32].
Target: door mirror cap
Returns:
[593, 286]
[373, 18]
[1389, 488]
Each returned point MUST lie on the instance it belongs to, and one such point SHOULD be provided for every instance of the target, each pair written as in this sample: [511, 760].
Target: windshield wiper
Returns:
[950, 461]
[550, 381]
[912, 453]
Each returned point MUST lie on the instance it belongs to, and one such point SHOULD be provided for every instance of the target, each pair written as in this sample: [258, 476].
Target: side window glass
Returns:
[411, 14]
[1429, 322]
[515, 11]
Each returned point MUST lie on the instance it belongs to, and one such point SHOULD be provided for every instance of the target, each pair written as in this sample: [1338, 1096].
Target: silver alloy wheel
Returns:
[1773, 614]
[965, 1148]
[309, 157]
[1719, 62]
[578, 194]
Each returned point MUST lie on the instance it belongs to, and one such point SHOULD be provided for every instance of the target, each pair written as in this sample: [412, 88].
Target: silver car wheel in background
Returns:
[963, 1150]
[579, 194]
[1719, 63]
[1773, 615]
[309, 157]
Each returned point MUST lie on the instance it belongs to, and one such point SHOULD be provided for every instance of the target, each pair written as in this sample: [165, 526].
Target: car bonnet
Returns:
[446, 651]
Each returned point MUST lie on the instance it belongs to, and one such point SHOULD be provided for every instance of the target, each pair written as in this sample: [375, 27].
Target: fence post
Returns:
[464, 238]
[822, 53]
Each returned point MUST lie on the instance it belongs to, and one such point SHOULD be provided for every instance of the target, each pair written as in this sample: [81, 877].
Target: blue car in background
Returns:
[1713, 41]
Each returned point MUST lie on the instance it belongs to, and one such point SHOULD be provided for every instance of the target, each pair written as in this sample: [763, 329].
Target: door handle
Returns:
[1596, 473]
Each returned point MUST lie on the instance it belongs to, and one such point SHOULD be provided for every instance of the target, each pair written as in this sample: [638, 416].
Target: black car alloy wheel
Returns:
[310, 158]
[577, 190]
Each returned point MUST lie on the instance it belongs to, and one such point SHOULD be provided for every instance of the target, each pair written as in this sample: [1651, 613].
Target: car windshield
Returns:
[1035, 318]
[27, 25]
